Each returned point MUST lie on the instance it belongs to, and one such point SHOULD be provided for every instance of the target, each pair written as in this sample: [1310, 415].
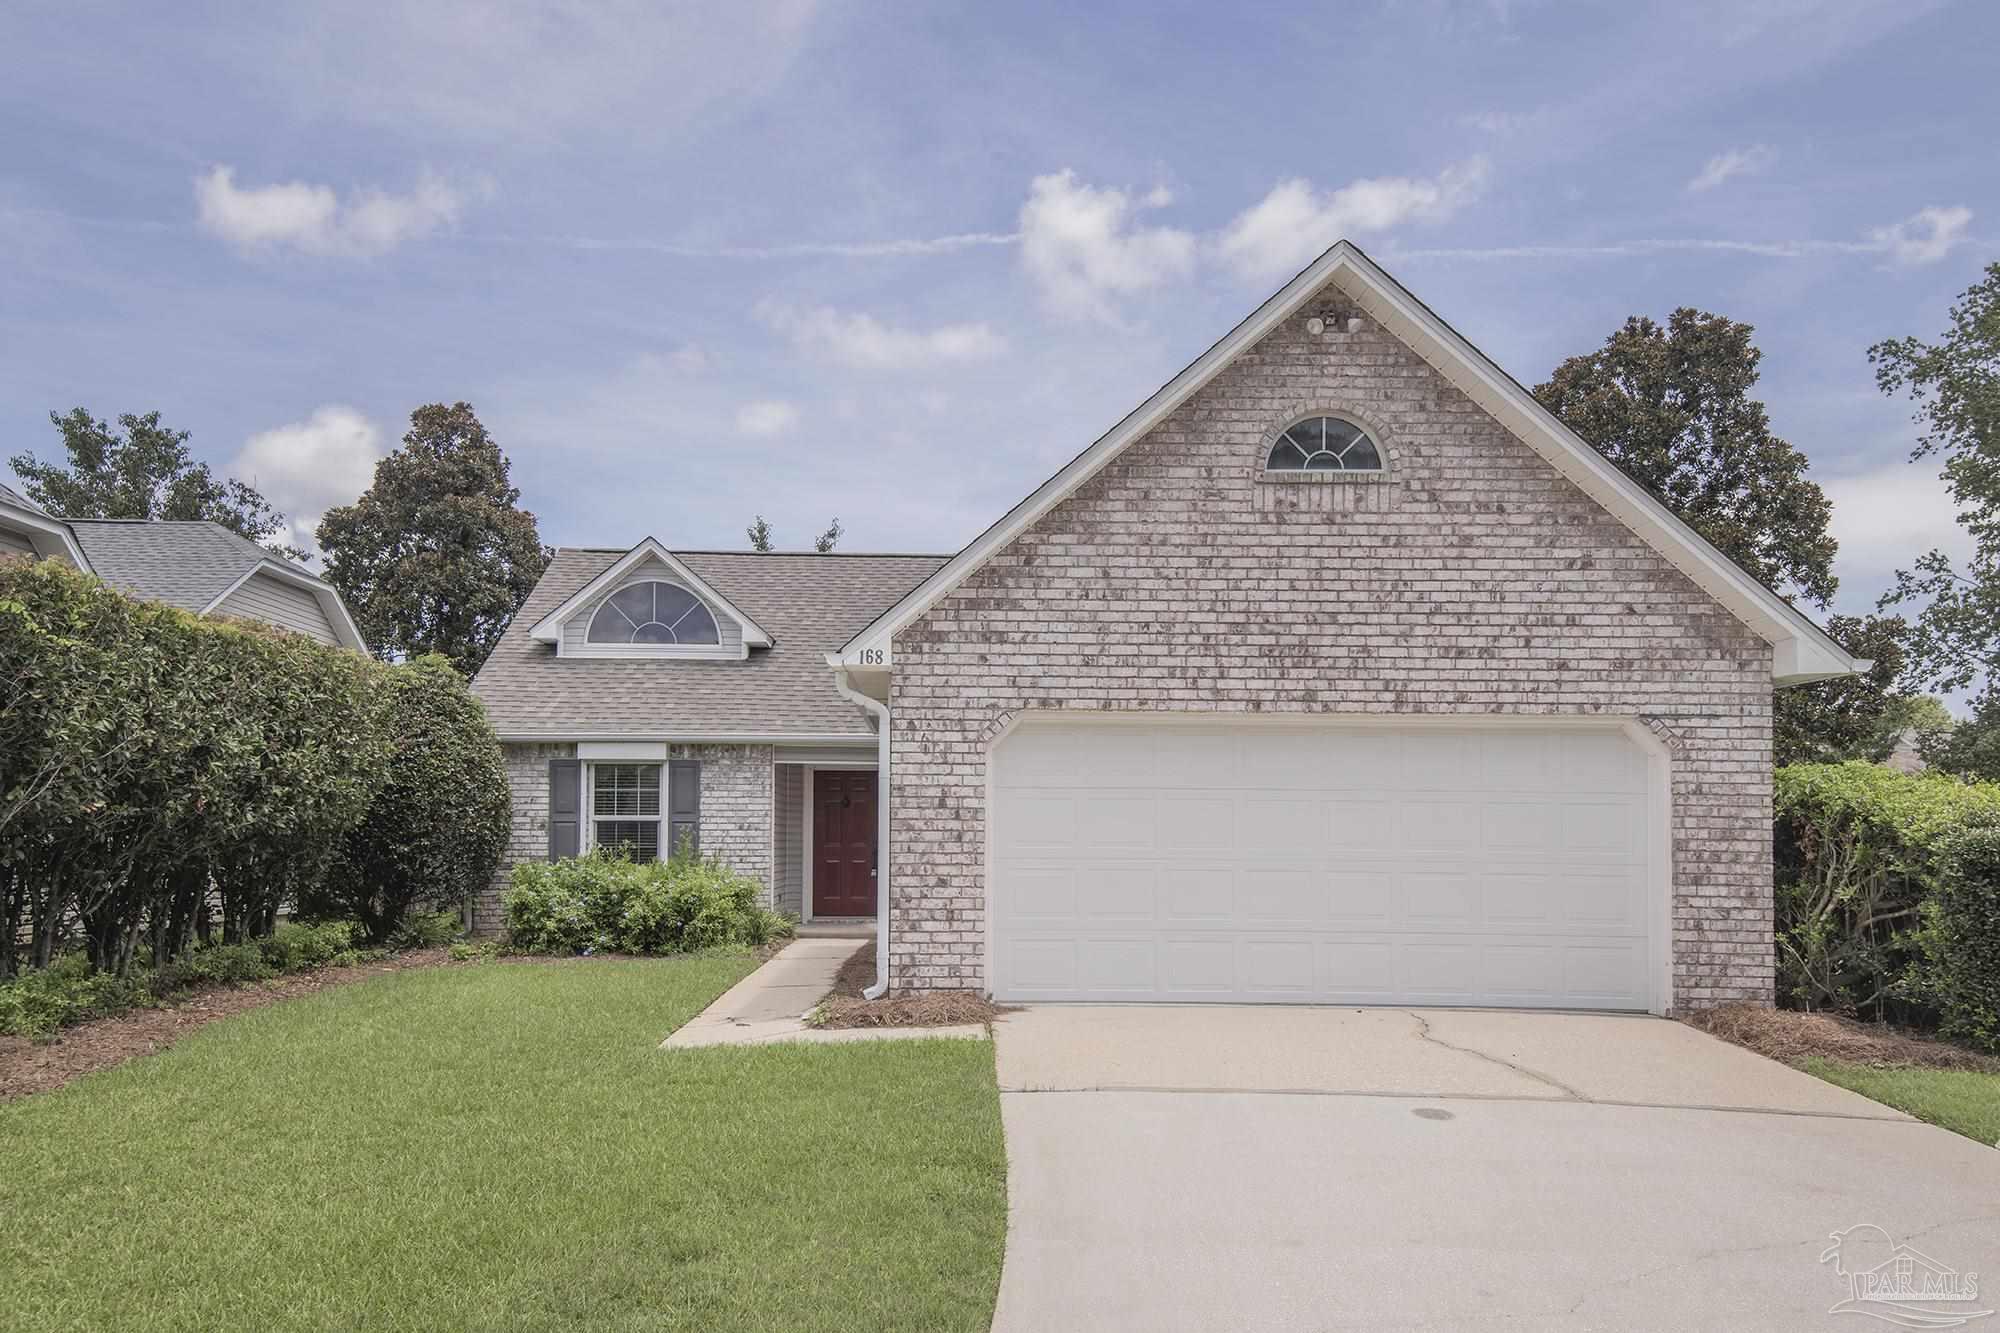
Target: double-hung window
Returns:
[625, 809]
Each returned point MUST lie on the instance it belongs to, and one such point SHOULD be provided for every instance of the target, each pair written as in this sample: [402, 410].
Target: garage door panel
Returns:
[1477, 866]
[1357, 825]
[1359, 895]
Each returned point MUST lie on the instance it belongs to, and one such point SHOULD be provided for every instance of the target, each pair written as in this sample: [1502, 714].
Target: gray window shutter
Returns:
[683, 805]
[565, 798]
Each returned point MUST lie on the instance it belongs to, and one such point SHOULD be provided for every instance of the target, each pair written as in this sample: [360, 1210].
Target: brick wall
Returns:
[528, 777]
[735, 812]
[1472, 579]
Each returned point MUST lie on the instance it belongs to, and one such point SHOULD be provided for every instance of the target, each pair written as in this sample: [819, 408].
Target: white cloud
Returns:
[1282, 232]
[767, 417]
[310, 466]
[1924, 237]
[312, 220]
[1736, 162]
[863, 342]
[1081, 246]
[1884, 520]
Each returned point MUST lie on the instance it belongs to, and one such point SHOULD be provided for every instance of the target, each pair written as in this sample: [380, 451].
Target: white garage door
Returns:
[1504, 865]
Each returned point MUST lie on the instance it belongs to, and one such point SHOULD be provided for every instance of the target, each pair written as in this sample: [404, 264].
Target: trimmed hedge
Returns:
[1859, 870]
[439, 822]
[603, 903]
[167, 779]
[1960, 974]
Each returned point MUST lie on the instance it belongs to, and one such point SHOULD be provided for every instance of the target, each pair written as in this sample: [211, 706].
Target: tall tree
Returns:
[759, 534]
[829, 539]
[1856, 717]
[1672, 408]
[437, 554]
[1970, 748]
[143, 470]
[1955, 383]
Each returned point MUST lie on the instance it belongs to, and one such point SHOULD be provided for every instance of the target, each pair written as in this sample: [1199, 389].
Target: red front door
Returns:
[843, 843]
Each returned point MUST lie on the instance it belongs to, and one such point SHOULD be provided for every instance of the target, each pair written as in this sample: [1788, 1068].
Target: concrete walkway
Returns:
[1293, 1168]
[771, 1003]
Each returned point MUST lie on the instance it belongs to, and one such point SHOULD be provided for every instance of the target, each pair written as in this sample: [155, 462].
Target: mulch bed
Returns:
[28, 1067]
[1783, 1034]
[843, 1006]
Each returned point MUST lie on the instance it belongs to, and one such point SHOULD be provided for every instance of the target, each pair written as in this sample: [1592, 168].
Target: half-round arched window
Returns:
[1324, 444]
[652, 612]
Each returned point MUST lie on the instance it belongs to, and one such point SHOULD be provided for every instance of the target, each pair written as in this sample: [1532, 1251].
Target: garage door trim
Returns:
[1658, 866]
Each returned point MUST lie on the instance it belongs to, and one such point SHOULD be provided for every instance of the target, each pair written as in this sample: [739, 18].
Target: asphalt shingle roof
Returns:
[20, 501]
[811, 604]
[182, 563]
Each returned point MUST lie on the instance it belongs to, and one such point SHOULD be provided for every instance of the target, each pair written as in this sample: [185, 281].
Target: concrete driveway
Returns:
[1253, 1168]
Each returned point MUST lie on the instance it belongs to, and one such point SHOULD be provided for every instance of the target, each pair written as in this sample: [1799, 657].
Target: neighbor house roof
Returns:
[809, 605]
[194, 564]
[49, 535]
[8, 495]
[1801, 649]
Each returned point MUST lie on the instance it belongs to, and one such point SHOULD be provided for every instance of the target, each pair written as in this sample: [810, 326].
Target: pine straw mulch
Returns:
[28, 1067]
[1791, 1037]
[843, 1006]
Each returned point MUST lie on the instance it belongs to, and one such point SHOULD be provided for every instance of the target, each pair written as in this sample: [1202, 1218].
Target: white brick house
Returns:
[1337, 672]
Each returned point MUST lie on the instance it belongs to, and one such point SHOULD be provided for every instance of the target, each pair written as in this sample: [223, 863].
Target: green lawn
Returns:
[1962, 1100]
[502, 1147]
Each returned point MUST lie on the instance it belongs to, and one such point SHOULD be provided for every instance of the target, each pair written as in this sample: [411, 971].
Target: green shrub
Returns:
[606, 903]
[67, 992]
[1857, 861]
[1960, 975]
[473, 951]
[438, 822]
[428, 930]
[299, 947]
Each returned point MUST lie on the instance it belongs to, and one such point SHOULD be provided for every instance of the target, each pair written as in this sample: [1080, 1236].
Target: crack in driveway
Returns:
[1424, 1034]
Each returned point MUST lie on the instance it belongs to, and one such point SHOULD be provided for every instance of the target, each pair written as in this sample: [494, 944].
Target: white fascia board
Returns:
[51, 537]
[549, 628]
[688, 738]
[323, 592]
[1803, 650]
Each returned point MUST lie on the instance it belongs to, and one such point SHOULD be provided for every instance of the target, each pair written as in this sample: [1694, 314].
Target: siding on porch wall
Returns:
[1473, 579]
[735, 813]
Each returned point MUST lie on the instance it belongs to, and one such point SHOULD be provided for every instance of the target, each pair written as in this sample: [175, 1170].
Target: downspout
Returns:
[880, 711]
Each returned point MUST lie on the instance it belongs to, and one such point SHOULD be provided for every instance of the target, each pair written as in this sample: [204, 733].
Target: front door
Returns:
[843, 843]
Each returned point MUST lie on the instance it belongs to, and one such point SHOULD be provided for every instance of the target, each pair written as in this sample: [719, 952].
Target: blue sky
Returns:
[897, 263]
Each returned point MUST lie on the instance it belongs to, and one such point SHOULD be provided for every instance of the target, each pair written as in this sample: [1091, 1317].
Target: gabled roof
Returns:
[49, 535]
[549, 628]
[1802, 650]
[808, 605]
[195, 564]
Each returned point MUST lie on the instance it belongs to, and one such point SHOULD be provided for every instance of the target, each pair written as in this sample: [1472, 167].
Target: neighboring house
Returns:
[196, 565]
[1338, 672]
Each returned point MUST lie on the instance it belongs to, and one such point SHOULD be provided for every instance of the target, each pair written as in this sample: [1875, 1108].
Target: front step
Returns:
[838, 928]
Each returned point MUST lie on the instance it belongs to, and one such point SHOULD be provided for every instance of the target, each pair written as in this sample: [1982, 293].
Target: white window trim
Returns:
[587, 840]
[549, 628]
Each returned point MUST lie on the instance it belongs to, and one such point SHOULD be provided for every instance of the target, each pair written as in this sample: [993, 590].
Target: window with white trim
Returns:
[1324, 444]
[652, 611]
[625, 809]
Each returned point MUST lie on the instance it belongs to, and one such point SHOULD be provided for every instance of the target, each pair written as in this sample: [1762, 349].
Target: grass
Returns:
[1966, 1101]
[502, 1147]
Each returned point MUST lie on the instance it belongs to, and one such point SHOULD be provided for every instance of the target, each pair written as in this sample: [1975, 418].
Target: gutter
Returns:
[880, 711]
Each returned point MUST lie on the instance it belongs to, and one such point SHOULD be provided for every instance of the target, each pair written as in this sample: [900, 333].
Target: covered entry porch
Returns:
[824, 831]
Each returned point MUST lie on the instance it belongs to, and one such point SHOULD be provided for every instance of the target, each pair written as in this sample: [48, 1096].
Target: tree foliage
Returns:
[1672, 408]
[1955, 383]
[759, 533]
[437, 555]
[142, 470]
[1969, 749]
[145, 752]
[1855, 717]
[761, 539]
[438, 823]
